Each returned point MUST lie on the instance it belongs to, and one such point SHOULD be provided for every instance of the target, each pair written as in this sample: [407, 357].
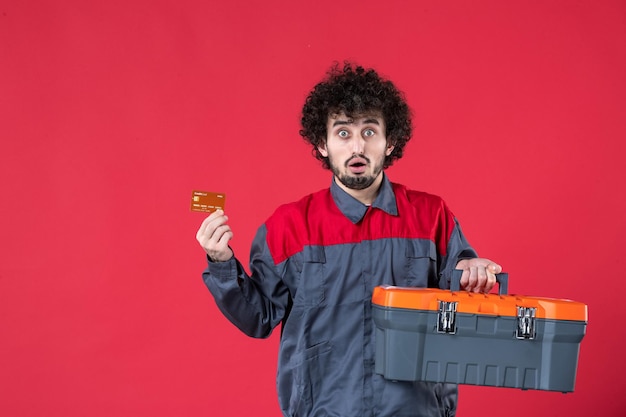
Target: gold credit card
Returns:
[207, 202]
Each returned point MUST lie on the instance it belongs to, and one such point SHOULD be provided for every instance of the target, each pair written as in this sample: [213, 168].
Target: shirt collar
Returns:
[354, 210]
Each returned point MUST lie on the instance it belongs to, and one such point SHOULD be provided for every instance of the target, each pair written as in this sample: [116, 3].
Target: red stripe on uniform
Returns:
[316, 220]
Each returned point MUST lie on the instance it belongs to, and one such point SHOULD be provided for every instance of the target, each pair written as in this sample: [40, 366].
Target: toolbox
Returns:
[500, 340]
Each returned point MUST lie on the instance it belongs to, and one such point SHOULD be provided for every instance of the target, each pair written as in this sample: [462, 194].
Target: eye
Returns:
[343, 134]
[368, 133]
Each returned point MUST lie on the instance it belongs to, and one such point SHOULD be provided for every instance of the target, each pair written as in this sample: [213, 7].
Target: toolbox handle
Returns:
[502, 279]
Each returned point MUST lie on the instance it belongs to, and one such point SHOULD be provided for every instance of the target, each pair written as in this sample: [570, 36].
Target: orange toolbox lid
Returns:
[477, 303]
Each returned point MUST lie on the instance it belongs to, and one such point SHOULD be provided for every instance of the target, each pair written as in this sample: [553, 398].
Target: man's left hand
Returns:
[479, 274]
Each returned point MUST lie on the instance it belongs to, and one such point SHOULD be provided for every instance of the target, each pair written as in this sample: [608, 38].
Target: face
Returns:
[356, 149]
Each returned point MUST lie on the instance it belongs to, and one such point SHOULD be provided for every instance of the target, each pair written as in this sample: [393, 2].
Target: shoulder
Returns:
[287, 229]
[426, 207]
[415, 197]
[298, 210]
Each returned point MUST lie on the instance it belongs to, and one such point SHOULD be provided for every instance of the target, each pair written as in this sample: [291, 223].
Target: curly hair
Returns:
[356, 91]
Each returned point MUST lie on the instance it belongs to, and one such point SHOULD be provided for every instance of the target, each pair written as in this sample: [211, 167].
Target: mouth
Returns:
[357, 165]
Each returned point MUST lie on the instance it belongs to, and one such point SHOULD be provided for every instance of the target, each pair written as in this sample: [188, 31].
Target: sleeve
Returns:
[457, 247]
[255, 303]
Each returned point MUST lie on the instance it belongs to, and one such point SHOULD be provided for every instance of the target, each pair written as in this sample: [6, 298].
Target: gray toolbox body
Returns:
[479, 339]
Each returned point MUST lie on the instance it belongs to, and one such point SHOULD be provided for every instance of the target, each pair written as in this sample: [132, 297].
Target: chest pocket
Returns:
[312, 283]
[421, 263]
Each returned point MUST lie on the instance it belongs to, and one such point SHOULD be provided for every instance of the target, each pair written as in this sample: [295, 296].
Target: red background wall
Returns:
[110, 114]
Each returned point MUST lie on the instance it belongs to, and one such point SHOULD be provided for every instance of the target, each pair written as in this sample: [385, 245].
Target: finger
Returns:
[491, 281]
[218, 249]
[213, 222]
[464, 279]
[473, 278]
[481, 279]
[208, 220]
[216, 235]
[486, 280]
[225, 238]
[208, 234]
[219, 232]
[494, 268]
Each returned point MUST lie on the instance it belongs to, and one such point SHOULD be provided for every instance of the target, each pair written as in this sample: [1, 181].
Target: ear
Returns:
[322, 149]
[389, 149]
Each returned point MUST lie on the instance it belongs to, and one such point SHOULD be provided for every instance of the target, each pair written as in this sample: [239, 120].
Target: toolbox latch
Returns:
[446, 319]
[525, 322]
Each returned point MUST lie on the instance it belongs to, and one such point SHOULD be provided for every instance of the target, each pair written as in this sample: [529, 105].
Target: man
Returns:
[315, 262]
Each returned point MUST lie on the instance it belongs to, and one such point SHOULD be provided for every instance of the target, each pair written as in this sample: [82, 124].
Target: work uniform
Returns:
[314, 264]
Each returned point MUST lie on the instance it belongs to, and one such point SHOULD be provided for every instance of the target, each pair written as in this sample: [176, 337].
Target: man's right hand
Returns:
[214, 235]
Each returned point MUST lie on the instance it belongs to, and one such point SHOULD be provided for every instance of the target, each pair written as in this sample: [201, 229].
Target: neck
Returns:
[366, 195]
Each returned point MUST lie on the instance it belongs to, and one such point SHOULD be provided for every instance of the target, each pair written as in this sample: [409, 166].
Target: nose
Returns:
[358, 144]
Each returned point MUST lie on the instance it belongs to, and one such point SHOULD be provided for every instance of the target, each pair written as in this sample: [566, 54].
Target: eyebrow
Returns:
[351, 121]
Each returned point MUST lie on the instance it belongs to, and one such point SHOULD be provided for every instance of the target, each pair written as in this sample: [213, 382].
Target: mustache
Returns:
[355, 156]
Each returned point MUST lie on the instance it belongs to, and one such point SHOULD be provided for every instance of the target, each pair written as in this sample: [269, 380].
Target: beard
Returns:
[355, 182]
